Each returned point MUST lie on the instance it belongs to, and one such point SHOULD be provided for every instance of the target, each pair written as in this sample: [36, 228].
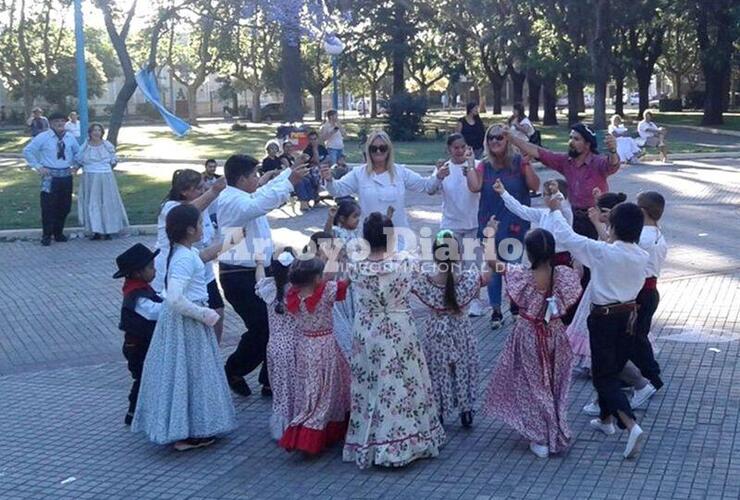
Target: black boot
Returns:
[466, 419]
[238, 384]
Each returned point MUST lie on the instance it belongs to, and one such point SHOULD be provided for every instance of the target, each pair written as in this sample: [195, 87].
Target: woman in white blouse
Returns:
[382, 183]
[627, 148]
[99, 204]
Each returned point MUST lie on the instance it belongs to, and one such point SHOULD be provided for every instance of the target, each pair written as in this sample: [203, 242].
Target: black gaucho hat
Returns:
[135, 258]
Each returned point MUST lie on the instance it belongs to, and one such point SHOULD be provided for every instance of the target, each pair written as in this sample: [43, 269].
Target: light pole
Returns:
[334, 47]
[81, 71]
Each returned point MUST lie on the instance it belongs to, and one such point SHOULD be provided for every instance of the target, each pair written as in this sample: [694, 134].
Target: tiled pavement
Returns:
[63, 385]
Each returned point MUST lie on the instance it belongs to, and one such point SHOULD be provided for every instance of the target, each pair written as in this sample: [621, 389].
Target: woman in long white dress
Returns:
[627, 147]
[100, 207]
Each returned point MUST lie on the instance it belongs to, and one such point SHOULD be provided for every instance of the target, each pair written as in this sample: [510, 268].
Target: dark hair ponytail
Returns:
[446, 252]
[540, 245]
[375, 230]
[280, 275]
[178, 221]
[344, 210]
[610, 200]
[182, 180]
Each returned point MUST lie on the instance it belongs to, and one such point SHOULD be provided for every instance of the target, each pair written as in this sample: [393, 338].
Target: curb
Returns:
[709, 130]
[73, 233]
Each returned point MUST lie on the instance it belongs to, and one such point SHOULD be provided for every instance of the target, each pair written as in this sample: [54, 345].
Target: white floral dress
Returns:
[394, 418]
[449, 344]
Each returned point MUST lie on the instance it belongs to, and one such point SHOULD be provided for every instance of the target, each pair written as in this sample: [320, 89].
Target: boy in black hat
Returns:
[139, 312]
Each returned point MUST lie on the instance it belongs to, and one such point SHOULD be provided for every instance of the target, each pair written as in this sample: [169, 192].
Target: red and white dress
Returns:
[322, 384]
[280, 358]
[530, 383]
[450, 347]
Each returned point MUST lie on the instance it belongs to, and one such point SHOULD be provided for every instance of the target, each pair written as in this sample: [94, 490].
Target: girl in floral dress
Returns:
[450, 346]
[281, 345]
[394, 418]
[322, 381]
[342, 223]
[530, 383]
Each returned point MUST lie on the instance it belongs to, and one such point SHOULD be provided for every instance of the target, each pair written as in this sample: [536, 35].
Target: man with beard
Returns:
[583, 168]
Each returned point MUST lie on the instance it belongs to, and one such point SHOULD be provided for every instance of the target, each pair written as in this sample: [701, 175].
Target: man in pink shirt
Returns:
[583, 168]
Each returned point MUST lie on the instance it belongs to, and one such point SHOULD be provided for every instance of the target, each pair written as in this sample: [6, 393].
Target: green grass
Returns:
[732, 120]
[19, 189]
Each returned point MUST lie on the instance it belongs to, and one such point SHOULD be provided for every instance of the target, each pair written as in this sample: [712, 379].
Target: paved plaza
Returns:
[64, 383]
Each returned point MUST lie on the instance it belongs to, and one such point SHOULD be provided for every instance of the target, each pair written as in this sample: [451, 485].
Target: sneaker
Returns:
[597, 425]
[634, 442]
[477, 308]
[592, 409]
[238, 385]
[496, 319]
[540, 450]
[192, 443]
[642, 396]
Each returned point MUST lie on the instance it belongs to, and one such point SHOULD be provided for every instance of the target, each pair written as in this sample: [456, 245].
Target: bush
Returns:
[405, 117]
[695, 99]
[670, 105]
[237, 127]
[147, 110]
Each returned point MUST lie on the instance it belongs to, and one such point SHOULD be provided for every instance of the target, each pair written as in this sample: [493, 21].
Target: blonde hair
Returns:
[489, 156]
[389, 161]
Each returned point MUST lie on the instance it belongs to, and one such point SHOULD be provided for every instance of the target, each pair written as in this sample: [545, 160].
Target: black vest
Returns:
[133, 323]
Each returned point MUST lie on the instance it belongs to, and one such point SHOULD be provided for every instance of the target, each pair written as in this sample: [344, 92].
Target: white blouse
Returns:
[187, 269]
[97, 159]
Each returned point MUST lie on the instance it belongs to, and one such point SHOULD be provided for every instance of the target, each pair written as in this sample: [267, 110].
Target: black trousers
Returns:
[582, 225]
[642, 351]
[238, 285]
[611, 348]
[134, 350]
[55, 206]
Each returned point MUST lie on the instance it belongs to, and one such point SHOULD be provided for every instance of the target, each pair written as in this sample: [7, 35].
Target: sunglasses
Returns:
[378, 149]
[495, 137]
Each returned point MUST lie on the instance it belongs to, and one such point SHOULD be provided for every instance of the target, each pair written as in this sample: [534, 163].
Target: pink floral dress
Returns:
[322, 383]
[280, 358]
[530, 383]
[394, 418]
[450, 346]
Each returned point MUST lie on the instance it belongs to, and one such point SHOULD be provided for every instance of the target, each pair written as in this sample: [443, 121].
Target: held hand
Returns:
[210, 317]
[332, 213]
[440, 163]
[389, 212]
[298, 173]
[498, 186]
[219, 185]
[470, 157]
[491, 227]
[593, 215]
[443, 171]
[43, 171]
[325, 172]
[553, 202]
[268, 176]
[611, 143]
[507, 135]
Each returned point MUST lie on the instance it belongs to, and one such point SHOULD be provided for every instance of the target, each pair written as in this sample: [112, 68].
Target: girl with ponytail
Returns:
[448, 340]
[184, 398]
[530, 383]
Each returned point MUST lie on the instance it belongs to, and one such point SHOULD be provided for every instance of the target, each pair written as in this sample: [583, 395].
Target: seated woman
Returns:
[652, 135]
[627, 148]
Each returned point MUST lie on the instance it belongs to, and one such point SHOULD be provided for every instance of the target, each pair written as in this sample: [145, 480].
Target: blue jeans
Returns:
[334, 154]
[496, 284]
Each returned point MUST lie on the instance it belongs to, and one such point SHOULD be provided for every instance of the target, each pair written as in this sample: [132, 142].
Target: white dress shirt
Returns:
[148, 309]
[652, 241]
[459, 204]
[647, 129]
[239, 209]
[42, 151]
[543, 217]
[617, 269]
[377, 192]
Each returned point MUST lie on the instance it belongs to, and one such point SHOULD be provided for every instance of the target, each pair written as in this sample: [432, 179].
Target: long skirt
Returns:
[530, 384]
[183, 391]
[99, 205]
[577, 332]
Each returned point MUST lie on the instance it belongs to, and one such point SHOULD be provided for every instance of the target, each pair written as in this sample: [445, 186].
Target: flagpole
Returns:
[81, 71]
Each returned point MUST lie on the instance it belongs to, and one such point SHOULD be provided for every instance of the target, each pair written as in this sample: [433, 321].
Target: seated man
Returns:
[652, 135]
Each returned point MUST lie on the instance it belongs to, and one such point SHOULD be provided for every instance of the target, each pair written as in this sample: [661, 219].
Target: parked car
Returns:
[562, 102]
[273, 112]
[634, 99]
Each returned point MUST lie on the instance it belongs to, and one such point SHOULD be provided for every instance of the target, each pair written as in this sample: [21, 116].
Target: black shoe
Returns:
[496, 319]
[107, 237]
[129, 418]
[266, 391]
[96, 237]
[514, 309]
[60, 238]
[46, 241]
[466, 419]
[238, 385]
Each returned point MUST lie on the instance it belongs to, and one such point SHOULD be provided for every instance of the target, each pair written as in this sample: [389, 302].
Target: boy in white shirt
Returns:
[617, 276]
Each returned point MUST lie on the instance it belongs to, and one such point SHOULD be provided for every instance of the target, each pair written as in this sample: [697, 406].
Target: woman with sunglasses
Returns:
[518, 177]
[382, 183]
[100, 208]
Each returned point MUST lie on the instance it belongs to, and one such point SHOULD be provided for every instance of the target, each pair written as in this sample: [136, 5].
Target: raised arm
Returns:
[512, 204]
[587, 251]
[348, 185]
[329, 224]
[415, 182]
[525, 147]
[202, 201]
[268, 197]
[531, 177]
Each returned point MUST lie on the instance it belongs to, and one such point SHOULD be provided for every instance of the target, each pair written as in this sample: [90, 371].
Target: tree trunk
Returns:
[619, 95]
[27, 99]
[550, 98]
[399, 49]
[534, 84]
[496, 88]
[374, 100]
[643, 75]
[517, 85]
[481, 97]
[581, 98]
[676, 80]
[256, 107]
[573, 86]
[192, 104]
[291, 77]
[316, 105]
[714, 85]
[119, 110]
[600, 54]
[235, 103]
[600, 104]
